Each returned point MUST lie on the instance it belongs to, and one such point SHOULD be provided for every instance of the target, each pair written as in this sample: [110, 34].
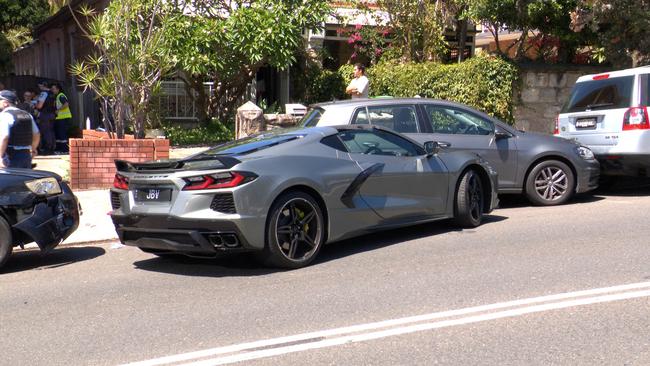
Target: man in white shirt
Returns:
[19, 135]
[358, 87]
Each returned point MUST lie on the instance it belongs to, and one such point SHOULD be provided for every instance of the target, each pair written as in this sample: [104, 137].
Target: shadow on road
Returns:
[625, 187]
[24, 260]
[519, 200]
[245, 264]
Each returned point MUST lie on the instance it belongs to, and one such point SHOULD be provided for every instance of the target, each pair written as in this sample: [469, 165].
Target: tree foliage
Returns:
[622, 28]
[132, 56]
[22, 13]
[549, 18]
[229, 41]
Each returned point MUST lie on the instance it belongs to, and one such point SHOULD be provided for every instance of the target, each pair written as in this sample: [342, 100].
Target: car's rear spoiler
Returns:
[199, 163]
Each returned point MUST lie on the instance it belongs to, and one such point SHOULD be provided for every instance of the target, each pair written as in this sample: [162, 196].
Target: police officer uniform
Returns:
[19, 134]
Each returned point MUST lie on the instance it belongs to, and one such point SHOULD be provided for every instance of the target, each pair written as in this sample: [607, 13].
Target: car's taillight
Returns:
[556, 130]
[218, 180]
[121, 182]
[601, 77]
[636, 118]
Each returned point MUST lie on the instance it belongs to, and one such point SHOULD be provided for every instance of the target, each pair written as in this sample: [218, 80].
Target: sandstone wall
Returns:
[543, 91]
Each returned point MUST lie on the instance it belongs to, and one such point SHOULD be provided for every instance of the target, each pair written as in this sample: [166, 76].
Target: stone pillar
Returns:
[249, 120]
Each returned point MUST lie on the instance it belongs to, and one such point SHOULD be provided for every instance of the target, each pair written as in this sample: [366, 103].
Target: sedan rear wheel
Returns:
[468, 210]
[6, 245]
[551, 182]
[295, 231]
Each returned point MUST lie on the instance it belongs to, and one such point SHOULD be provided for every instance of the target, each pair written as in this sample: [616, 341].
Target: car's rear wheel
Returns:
[549, 183]
[295, 231]
[469, 202]
[6, 244]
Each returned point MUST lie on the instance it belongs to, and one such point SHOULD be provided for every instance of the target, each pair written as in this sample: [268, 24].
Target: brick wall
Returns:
[92, 161]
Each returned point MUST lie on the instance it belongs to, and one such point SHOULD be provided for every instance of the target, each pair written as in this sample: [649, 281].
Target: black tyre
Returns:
[6, 244]
[469, 202]
[294, 231]
[550, 183]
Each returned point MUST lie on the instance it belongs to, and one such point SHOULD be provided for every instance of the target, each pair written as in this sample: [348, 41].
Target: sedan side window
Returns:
[377, 142]
[360, 117]
[448, 120]
[399, 118]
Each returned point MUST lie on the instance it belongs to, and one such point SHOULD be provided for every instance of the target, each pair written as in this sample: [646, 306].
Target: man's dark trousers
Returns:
[18, 158]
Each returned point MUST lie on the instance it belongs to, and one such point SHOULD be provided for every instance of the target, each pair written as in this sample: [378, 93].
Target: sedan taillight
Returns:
[121, 182]
[636, 118]
[218, 180]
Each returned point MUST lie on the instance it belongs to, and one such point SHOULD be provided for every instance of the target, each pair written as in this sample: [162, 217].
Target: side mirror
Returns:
[434, 147]
[500, 134]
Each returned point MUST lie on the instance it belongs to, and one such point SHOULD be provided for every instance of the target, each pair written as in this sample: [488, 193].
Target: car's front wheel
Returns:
[6, 245]
[468, 210]
[549, 183]
[295, 231]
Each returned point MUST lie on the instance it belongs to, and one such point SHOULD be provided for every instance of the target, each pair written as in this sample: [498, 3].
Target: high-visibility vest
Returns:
[62, 113]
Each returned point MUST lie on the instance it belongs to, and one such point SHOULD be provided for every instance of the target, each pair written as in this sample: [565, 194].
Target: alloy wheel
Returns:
[551, 183]
[298, 229]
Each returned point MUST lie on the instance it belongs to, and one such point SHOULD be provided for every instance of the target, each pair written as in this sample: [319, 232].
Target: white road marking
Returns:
[370, 331]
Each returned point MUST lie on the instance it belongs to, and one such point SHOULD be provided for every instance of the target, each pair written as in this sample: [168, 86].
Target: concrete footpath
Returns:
[95, 223]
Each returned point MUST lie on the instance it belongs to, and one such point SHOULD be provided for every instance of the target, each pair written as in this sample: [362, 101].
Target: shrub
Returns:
[323, 85]
[211, 134]
[485, 83]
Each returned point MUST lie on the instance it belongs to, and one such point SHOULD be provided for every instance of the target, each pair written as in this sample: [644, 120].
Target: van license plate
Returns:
[153, 194]
[586, 123]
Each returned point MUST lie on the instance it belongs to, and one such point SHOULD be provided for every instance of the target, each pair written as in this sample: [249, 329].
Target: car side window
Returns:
[360, 117]
[377, 142]
[453, 121]
[399, 118]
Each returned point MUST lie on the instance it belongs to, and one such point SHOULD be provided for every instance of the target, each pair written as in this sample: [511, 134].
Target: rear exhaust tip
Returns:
[230, 240]
[216, 241]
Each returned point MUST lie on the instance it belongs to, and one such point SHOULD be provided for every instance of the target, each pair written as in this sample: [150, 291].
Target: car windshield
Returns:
[599, 94]
[249, 145]
[311, 118]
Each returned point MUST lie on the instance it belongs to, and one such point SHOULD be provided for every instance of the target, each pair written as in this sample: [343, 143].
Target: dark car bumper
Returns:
[625, 165]
[189, 237]
[587, 176]
[51, 220]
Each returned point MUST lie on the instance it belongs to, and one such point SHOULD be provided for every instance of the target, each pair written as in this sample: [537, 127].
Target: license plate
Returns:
[153, 194]
[586, 123]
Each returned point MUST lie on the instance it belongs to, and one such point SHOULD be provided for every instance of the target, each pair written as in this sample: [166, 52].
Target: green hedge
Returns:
[485, 83]
[212, 134]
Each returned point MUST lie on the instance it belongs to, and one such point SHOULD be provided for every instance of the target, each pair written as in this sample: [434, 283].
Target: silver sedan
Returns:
[547, 169]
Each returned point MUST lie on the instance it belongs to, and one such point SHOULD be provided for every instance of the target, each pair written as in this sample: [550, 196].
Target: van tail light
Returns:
[121, 182]
[556, 130]
[601, 77]
[636, 118]
[218, 180]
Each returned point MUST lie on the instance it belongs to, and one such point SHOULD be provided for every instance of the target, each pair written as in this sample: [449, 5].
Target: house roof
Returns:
[62, 16]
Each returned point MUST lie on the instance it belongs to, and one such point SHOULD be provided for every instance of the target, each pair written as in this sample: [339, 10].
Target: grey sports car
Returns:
[285, 194]
[547, 169]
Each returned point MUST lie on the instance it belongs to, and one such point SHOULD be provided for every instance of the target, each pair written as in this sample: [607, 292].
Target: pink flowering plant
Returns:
[369, 43]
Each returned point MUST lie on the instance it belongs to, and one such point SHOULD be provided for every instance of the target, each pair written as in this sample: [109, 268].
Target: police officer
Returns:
[63, 118]
[19, 135]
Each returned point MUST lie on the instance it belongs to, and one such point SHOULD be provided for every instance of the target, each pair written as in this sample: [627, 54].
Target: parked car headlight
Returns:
[44, 187]
[585, 152]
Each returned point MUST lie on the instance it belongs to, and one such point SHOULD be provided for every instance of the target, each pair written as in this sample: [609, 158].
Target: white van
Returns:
[608, 113]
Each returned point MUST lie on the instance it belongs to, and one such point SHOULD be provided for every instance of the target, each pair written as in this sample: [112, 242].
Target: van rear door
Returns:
[594, 113]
